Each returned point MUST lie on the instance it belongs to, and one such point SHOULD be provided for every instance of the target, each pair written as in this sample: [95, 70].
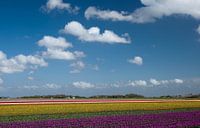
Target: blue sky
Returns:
[147, 47]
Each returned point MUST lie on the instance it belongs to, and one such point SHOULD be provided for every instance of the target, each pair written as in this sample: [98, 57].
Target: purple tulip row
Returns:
[162, 120]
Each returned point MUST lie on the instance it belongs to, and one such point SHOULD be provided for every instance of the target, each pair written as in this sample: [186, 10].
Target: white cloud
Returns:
[107, 14]
[52, 86]
[152, 10]
[34, 60]
[178, 81]
[140, 83]
[83, 85]
[32, 87]
[136, 60]
[93, 34]
[198, 29]
[54, 43]
[39, 87]
[1, 81]
[2, 56]
[20, 63]
[154, 82]
[60, 5]
[77, 67]
[131, 83]
[79, 54]
[56, 48]
[164, 82]
[59, 54]
[30, 78]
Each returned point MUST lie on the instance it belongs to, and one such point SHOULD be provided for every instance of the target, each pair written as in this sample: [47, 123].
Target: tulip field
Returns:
[100, 114]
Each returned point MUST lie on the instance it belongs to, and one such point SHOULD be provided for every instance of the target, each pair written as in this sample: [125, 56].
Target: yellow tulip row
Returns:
[32, 109]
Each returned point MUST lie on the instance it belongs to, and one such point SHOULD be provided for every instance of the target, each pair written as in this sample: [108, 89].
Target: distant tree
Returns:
[133, 96]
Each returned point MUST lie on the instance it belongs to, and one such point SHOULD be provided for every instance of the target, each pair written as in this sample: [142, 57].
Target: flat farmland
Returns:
[27, 107]
[82, 112]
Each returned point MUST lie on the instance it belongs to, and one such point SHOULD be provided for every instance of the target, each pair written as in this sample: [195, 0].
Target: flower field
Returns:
[101, 114]
[163, 120]
[30, 109]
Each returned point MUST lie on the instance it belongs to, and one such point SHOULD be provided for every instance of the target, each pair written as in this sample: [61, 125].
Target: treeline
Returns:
[60, 96]
[117, 96]
[63, 96]
[179, 96]
[3, 97]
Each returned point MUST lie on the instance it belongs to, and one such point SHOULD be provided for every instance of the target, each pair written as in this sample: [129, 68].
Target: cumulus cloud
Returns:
[138, 83]
[178, 81]
[54, 43]
[37, 87]
[32, 87]
[20, 63]
[2, 56]
[51, 86]
[198, 30]
[83, 85]
[154, 82]
[77, 67]
[141, 82]
[136, 60]
[93, 34]
[165, 82]
[79, 54]
[152, 10]
[93, 12]
[59, 54]
[34, 60]
[60, 5]
[56, 48]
